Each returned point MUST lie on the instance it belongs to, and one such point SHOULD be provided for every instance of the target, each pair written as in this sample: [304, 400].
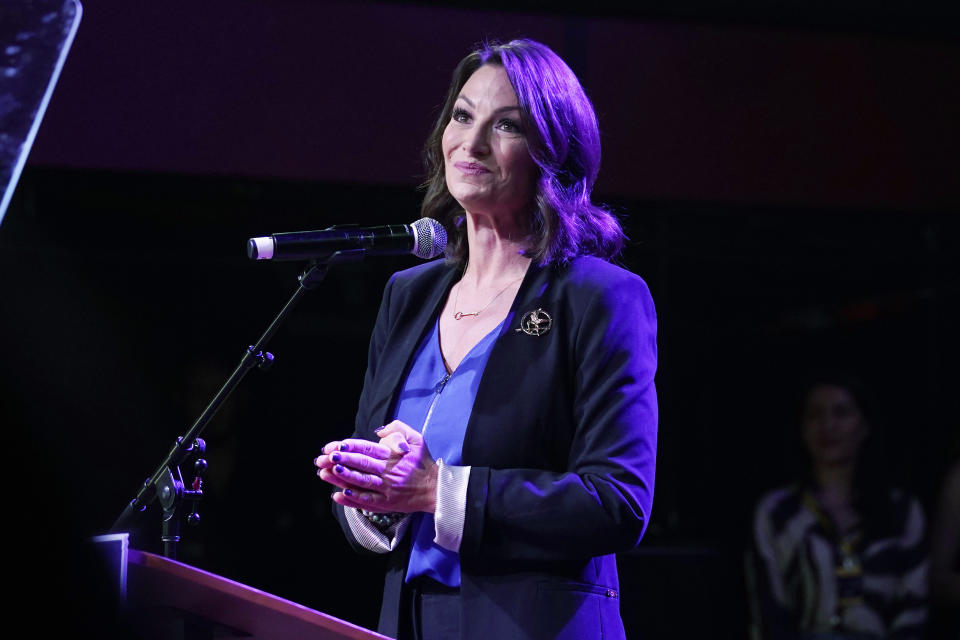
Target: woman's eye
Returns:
[459, 115]
[510, 126]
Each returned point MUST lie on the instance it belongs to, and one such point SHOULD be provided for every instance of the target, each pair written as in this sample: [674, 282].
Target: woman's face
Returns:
[487, 165]
[833, 426]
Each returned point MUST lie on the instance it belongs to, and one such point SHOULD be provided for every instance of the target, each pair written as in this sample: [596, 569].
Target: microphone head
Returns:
[429, 238]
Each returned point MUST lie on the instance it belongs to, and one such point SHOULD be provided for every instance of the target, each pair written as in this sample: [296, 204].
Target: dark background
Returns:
[787, 177]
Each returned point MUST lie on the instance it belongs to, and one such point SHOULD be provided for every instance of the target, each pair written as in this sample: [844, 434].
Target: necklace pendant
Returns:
[460, 315]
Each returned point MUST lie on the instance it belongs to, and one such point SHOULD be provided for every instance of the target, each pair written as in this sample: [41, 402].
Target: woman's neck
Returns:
[496, 252]
[836, 495]
[835, 482]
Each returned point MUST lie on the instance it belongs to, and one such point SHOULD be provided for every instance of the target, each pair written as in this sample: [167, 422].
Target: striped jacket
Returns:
[806, 580]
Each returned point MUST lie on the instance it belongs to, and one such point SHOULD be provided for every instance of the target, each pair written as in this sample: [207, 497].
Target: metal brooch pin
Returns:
[535, 323]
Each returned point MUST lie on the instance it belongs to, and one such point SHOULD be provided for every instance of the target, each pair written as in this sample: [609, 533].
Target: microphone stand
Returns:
[166, 483]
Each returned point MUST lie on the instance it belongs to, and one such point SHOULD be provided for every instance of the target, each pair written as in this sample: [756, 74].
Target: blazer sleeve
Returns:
[600, 503]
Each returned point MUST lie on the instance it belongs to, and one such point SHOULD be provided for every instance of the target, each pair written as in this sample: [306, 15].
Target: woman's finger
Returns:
[323, 462]
[330, 447]
[357, 462]
[411, 435]
[365, 447]
[327, 475]
[346, 478]
[365, 500]
[348, 451]
[396, 442]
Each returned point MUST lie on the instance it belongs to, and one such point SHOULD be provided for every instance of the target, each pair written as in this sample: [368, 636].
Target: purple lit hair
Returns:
[563, 139]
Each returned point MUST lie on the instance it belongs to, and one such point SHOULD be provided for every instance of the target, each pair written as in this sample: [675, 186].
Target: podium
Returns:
[170, 599]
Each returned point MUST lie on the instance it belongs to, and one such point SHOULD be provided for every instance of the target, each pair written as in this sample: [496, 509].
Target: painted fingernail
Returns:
[344, 447]
[338, 468]
[335, 457]
[347, 492]
[403, 446]
[380, 429]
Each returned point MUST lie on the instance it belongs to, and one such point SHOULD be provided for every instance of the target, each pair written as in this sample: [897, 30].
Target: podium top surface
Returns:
[255, 614]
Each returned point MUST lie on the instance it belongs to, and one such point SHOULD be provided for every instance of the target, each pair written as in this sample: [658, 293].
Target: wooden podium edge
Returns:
[187, 574]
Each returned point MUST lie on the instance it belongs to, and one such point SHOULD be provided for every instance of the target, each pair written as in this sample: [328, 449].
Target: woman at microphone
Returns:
[505, 441]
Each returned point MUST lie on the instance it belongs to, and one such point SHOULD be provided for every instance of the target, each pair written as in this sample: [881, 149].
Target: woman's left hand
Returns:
[406, 481]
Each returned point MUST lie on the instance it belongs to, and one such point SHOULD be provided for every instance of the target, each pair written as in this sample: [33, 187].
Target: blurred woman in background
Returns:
[840, 554]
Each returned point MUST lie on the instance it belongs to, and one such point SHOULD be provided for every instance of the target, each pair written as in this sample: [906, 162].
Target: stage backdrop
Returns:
[788, 196]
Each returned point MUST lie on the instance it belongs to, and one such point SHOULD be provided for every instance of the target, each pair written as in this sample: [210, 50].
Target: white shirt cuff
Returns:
[451, 505]
[370, 536]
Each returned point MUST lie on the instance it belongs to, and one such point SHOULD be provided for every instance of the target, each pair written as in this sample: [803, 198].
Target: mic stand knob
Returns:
[171, 493]
[195, 494]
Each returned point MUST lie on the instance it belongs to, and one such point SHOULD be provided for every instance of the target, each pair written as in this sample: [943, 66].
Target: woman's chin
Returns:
[470, 197]
[834, 458]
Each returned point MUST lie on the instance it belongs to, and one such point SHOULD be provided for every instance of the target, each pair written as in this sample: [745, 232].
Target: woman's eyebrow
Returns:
[514, 107]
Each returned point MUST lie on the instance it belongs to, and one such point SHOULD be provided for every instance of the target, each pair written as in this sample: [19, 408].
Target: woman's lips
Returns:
[471, 168]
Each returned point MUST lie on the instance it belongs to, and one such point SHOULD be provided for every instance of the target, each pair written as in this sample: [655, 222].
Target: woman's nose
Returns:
[476, 142]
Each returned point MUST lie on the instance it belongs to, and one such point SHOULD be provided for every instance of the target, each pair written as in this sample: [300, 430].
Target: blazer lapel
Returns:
[418, 311]
[503, 359]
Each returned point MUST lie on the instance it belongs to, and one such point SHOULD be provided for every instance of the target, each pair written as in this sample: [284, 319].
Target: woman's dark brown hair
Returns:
[563, 138]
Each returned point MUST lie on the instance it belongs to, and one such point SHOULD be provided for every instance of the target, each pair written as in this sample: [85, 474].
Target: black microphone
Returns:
[425, 238]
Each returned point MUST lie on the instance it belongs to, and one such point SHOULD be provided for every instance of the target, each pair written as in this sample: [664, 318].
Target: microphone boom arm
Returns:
[255, 356]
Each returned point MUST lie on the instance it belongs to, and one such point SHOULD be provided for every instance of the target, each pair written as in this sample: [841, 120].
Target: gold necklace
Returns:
[457, 315]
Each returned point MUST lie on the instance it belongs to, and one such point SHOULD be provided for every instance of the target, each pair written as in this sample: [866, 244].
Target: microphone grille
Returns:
[430, 238]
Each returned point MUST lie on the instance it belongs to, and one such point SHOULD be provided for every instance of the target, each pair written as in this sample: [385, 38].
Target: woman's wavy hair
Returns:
[563, 138]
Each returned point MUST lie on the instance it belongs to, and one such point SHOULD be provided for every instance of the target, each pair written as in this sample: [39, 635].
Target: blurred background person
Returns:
[840, 553]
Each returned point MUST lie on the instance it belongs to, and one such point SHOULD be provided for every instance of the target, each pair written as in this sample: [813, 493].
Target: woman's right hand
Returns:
[395, 474]
[356, 465]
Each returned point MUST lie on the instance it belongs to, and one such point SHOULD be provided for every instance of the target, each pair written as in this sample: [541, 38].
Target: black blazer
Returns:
[561, 440]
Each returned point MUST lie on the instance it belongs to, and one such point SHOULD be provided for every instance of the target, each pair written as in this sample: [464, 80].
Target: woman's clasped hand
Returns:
[395, 474]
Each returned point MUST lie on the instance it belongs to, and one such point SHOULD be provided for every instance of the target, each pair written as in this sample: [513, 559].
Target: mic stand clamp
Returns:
[172, 494]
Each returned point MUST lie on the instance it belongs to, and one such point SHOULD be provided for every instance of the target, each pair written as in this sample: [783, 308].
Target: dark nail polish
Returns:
[335, 457]
[347, 492]
[344, 447]
[338, 468]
